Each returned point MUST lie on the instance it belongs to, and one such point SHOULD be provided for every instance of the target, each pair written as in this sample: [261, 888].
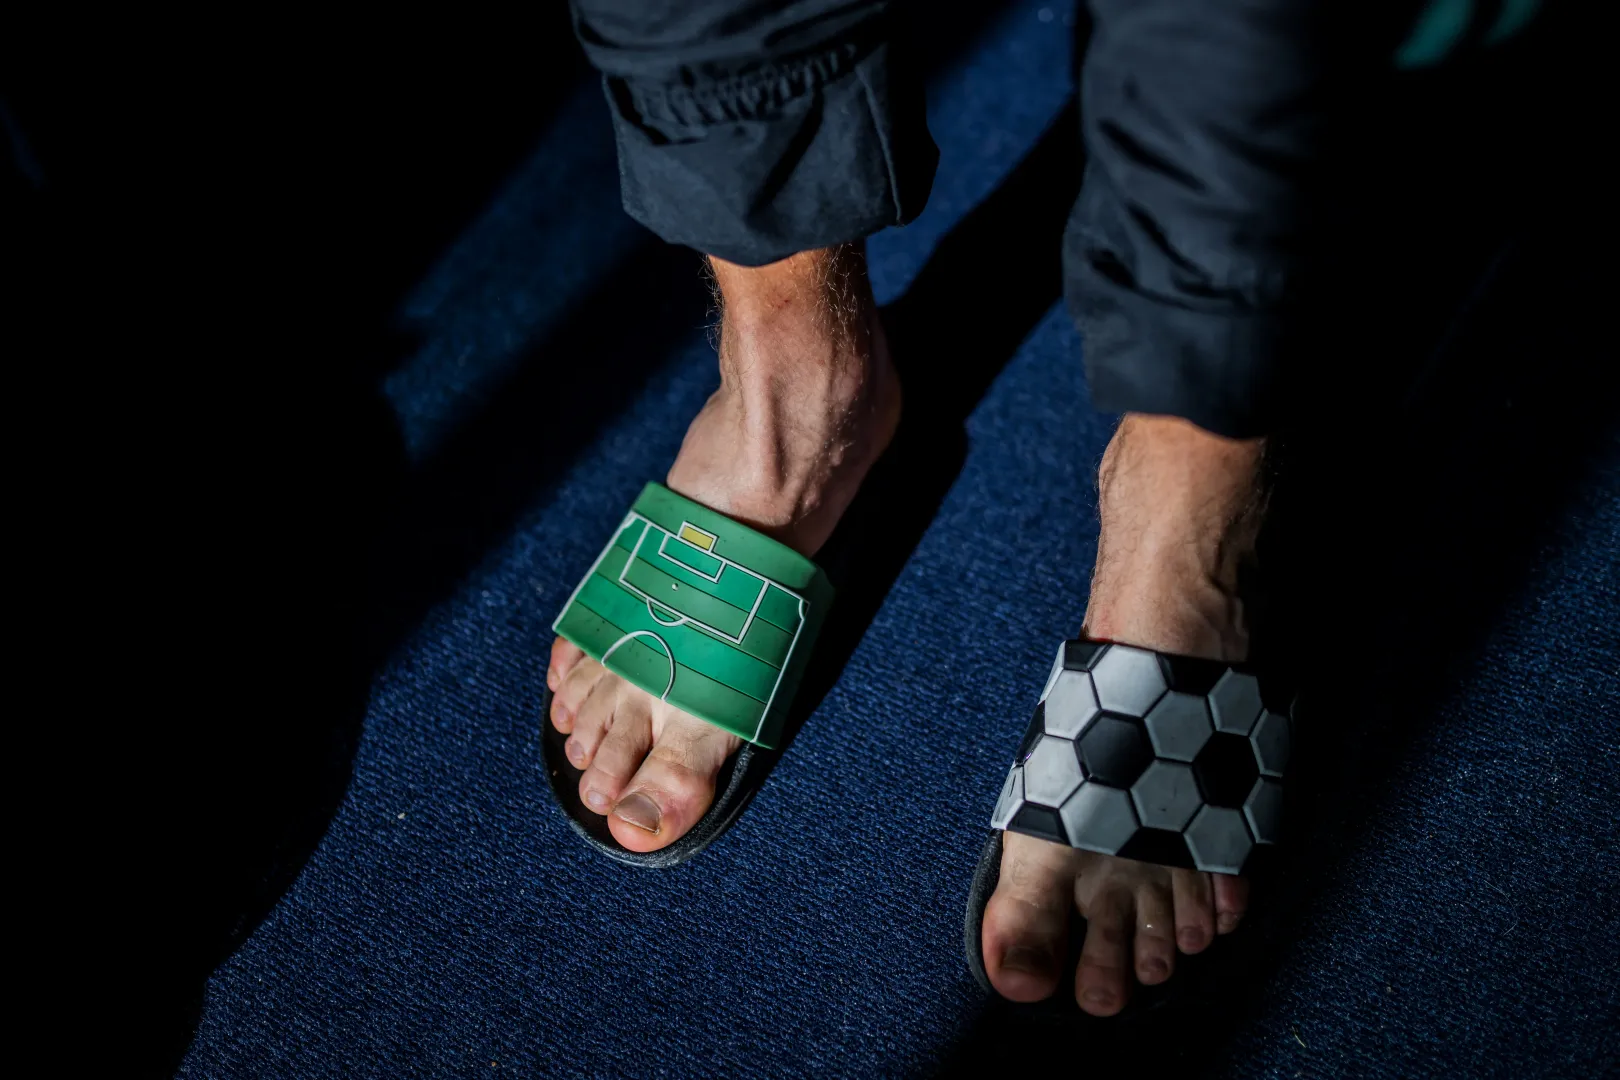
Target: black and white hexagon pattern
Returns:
[1167, 759]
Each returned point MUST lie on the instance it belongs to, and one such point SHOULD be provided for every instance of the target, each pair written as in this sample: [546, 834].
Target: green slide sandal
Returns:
[709, 615]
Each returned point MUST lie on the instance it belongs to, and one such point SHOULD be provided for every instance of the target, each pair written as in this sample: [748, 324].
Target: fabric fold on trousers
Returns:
[754, 131]
[1189, 247]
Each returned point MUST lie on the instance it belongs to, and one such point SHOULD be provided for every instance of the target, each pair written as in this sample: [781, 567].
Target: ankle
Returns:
[1168, 607]
[833, 278]
[821, 295]
[1180, 509]
[1177, 493]
[808, 398]
[800, 338]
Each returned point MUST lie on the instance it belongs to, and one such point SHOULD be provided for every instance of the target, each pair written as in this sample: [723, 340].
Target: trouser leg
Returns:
[1281, 206]
[1178, 254]
[752, 131]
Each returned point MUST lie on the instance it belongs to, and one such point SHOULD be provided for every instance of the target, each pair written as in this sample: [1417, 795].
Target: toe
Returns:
[1100, 982]
[564, 655]
[622, 751]
[593, 721]
[1231, 901]
[1026, 923]
[675, 784]
[1195, 911]
[1155, 933]
[571, 693]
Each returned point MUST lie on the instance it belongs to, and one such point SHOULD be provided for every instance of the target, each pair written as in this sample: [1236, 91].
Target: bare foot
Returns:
[1180, 510]
[808, 400]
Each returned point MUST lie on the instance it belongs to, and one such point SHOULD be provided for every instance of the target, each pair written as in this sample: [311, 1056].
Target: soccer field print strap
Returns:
[700, 611]
[1147, 755]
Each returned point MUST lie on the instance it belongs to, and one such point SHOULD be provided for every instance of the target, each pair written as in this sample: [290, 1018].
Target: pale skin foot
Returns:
[807, 402]
[1180, 508]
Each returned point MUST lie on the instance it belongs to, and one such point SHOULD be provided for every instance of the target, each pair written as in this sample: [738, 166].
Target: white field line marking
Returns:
[681, 621]
[667, 655]
[664, 543]
[786, 660]
[765, 584]
[628, 518]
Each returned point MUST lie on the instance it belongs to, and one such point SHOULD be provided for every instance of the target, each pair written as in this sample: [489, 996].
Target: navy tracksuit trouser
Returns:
[1233, 150]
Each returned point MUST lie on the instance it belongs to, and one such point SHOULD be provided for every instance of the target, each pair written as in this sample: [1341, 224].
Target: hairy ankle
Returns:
[1180, 512]
[825, 289]
[807, 397]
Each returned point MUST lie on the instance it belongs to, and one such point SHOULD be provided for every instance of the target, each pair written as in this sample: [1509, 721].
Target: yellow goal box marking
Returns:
[697, 537]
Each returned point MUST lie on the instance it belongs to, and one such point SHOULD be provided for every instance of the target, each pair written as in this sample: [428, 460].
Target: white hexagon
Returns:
[1179, 726]
[1166, 796]
[1012, 797]
[1099, 818]
[1070, 704]
[1264, 811]
[1051, 678]
[1218, 840]
[1128, 680]
[1235, 702]
[1051, 772]
[1270, 738]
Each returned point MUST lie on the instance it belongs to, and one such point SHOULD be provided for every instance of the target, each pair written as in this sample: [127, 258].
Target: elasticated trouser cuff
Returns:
[753, 131]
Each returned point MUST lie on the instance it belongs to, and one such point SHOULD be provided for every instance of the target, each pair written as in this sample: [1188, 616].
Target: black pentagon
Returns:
[1037, 726]
[1191, 675]
[1115, 751]
[1039, 821]
[1160, 846]
[1078, 655]
[1226, 769]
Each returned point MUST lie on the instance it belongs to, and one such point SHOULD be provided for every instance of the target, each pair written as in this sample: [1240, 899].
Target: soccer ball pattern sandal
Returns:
[709, 615]
[1167, 759]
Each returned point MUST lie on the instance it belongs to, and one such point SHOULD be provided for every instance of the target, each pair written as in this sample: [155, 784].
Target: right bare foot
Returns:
[1180, 509]
[808, 401]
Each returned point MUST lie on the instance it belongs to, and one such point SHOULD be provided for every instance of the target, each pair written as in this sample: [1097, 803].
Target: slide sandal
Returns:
[709, 615]
[1167, 759]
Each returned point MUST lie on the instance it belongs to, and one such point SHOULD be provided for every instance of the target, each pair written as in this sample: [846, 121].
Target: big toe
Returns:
[674, 787]
[1026, 923]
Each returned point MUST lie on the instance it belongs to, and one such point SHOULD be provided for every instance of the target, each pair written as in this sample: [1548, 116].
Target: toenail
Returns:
[1191, 939]
[551, 678]
[1155, 968]
[639, 811]
[1226, 921]
[1029, 961]
[576, 753]
[596, 801]
[1097, 996]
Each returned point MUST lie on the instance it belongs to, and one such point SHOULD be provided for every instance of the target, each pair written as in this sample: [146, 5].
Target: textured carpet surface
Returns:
[1463, 922]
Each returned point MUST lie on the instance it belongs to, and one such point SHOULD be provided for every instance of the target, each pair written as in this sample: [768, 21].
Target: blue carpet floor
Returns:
[1455, 915]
